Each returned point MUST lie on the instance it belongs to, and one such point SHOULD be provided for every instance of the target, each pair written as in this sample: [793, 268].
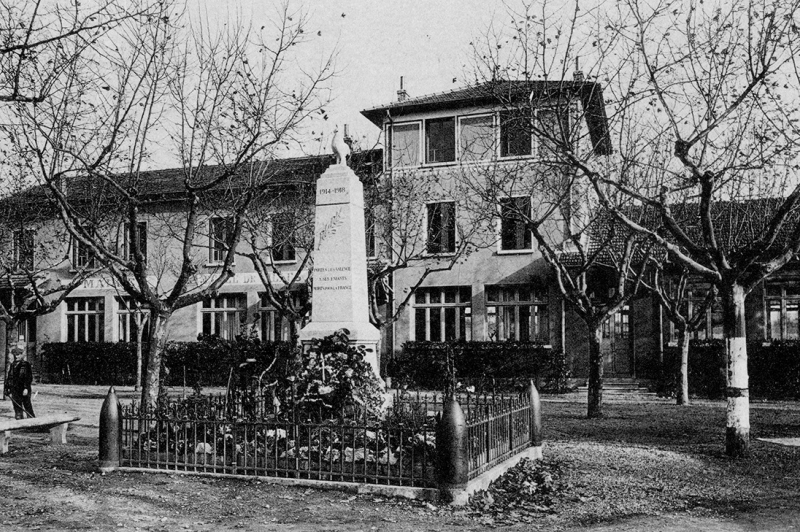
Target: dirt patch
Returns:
[646, 466]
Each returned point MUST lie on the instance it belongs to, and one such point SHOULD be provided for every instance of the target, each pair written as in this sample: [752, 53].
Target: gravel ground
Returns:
[648, 465]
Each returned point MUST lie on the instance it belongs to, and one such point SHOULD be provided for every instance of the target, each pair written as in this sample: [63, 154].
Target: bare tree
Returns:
[704, 133]
[40, 39]
[226, 99]
[686, 309]
[279, 232]
[599, 264]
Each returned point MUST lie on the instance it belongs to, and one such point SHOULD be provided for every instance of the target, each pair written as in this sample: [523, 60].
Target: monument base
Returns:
[364, 334]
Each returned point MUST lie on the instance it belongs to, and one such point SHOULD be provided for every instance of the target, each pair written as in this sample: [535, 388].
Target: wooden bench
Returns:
[57, 423]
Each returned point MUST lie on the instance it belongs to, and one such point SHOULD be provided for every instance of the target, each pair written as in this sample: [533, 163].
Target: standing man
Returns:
[18, 383]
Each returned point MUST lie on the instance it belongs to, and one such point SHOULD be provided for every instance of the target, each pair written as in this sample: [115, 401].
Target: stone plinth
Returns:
[340, 299]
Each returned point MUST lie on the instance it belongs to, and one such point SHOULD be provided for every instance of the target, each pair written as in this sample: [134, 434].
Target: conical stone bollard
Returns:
[536, 421]
[452, 454]
[110, 432]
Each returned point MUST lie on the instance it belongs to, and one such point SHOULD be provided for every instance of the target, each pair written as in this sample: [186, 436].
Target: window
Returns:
[26, 330]
[224, 315]
[220, 232]
[711, 325]
[440, 140]
[441, 227]
[131, 316]
[141, 237]
[621, 323]
[23, 249]
[283, 237]
[515, 134]
[405, 145]
[85, 319]
[514, 233]
[782, 302]
[82, 255]
[517, 313]
[442, 314]
[554, 122]
[274, 326]
[476, 138]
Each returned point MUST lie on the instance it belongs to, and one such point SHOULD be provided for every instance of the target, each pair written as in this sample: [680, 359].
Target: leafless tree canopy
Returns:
[219, 98]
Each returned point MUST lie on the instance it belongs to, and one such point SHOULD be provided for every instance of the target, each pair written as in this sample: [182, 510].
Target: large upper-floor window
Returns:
[522, 133]
[23, 249]
[476, 137]
[518, 136]
[440, 140]
[85, 319]
[442, 314]
[782, 303]
[406, 145]
[514, 232]
[518, 313]
[220, 232]
[441, 227]
[515, 134]
[554, 123]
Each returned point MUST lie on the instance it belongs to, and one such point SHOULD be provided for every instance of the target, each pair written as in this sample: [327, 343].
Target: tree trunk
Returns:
[140, 321]
[595, 373]
[683, 371]
[737, 430]
[157, 341]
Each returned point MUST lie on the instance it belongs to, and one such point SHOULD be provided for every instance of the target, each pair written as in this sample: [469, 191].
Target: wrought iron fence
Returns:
[247, 434]
[498, 431]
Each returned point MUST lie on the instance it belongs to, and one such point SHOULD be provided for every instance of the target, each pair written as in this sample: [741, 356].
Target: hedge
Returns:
[206, 362]
[89, 363]
[423, 364]
[774, 369]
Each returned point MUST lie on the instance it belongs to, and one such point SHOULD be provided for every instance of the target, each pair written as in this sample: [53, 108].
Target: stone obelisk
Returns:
[339, 298]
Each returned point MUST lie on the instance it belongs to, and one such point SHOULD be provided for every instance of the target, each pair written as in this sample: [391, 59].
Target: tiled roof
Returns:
[496, 93]
[16, 281]
[737, 225]
[168, 184]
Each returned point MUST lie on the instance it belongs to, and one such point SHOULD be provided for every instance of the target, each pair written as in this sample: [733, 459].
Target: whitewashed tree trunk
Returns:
[683, 372]
[737, 429]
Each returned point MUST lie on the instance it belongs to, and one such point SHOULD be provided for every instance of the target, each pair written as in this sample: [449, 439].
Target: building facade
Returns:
[457, 170]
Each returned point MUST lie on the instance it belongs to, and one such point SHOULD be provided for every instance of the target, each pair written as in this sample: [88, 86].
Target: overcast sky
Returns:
[427, 42]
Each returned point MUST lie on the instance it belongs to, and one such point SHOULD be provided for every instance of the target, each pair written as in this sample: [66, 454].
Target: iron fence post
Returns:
[535, 420]
[452, 471]
[110, 432]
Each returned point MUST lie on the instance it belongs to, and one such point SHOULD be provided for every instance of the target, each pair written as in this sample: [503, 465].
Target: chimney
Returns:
[402, 95]
[578, 74]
